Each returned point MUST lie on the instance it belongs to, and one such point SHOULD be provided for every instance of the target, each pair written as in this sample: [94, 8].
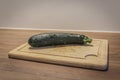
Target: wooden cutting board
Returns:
[93, 56]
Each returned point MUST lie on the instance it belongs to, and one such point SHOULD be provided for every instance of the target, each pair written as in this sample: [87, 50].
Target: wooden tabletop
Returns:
[15, 69]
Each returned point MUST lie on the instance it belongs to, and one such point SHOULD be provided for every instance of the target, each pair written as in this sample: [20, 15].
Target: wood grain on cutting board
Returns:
[86, 56]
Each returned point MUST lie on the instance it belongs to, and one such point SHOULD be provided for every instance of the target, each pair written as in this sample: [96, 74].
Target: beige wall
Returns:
[100, 15]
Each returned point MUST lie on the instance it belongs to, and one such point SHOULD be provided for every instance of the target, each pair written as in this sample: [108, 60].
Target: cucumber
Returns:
[50, 39]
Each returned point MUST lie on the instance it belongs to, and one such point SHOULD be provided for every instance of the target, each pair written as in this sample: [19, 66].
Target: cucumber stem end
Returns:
[87, 40]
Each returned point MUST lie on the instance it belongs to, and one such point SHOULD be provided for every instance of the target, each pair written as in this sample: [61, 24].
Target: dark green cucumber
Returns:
[49, 39]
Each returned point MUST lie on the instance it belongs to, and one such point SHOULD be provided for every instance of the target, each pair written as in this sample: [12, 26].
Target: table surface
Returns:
[15, 69]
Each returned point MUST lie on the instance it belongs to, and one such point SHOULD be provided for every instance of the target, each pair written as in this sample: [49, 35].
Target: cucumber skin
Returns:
[50, 39]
